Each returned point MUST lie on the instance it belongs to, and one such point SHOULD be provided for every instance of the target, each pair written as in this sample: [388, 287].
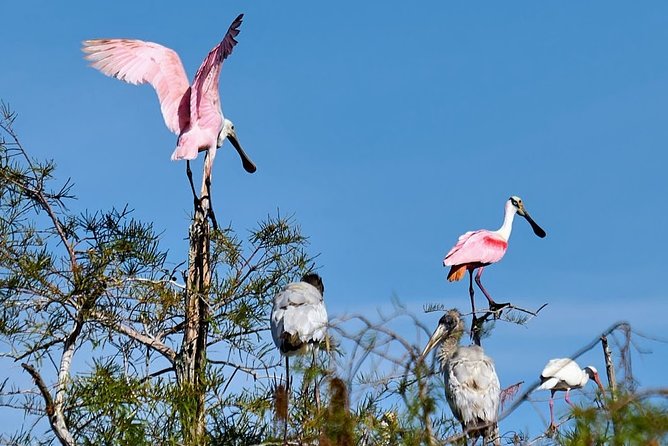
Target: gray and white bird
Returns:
[471, 384]
[299, 318]
[565, 374]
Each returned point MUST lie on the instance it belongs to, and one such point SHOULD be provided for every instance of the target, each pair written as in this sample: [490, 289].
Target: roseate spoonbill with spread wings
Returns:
[566, 374]
[471, 384]
[191, 111]
[477, 249]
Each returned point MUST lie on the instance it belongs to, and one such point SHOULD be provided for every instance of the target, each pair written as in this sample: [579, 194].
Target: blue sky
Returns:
[388, 131]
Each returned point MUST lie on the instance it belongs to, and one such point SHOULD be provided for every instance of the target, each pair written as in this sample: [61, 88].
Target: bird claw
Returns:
[551, 430]
[498, 308]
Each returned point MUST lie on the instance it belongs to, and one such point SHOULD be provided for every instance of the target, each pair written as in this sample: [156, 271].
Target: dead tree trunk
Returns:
[191, 364]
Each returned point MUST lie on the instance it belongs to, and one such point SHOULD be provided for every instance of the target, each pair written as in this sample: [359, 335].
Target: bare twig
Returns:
[149, 341]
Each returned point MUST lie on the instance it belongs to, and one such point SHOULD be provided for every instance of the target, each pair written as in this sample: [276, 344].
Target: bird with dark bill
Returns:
[472, 386]
[191, 111]
[564, 374]
[478, 249]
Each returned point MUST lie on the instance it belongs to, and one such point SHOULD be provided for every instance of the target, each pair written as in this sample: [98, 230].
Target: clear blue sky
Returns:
[388, 131]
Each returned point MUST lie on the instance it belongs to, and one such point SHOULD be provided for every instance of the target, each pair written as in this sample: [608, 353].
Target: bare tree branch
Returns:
[56, 417]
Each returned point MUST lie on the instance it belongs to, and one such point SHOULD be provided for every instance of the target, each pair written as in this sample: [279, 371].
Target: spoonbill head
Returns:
[477, 249]
[472, 386]
[516, 202]
[228, 132]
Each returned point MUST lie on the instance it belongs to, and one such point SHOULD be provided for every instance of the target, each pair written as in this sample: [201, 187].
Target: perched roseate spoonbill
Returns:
[191, 111]
[471, 384]
[299, 321]
[477, 249]
[566, 374]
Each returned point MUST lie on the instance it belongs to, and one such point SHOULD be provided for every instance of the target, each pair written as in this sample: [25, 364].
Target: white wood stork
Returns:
[471, 384]
[565, 374]
[299, 318]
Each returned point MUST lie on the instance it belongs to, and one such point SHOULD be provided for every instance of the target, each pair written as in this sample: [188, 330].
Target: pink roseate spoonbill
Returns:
[191, 111]
[471, 384]
[565, 374]
[477, 249]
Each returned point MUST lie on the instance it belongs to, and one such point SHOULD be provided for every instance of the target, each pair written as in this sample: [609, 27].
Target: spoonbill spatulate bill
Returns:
[472, 386]
[477, 249]
[191, 111]
[564, 374]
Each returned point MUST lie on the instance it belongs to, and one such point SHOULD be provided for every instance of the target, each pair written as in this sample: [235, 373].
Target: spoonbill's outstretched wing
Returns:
[138, 62]
[205, 99]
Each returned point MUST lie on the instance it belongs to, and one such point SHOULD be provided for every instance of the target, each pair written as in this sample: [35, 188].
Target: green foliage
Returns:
[95, 305]
[630, 419]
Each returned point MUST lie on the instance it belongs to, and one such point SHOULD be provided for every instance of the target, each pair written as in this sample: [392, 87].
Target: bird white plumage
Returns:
[564, 374]
[472, 386]
[299, 316]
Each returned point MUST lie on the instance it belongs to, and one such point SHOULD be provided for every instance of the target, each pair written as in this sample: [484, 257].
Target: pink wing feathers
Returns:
[476, 247]
[138, 62]
[205, 98]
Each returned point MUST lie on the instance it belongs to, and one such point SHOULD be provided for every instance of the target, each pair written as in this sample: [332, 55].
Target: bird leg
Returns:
[476, 323]
[552, 426]
[316, 382]
[189, 173]
[206, 188]
[568, 399]
[287, 400]
[471, 292]
[492, 305]
[209, 211]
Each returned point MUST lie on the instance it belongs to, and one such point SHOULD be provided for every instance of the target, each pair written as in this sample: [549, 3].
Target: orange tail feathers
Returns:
[456, 273]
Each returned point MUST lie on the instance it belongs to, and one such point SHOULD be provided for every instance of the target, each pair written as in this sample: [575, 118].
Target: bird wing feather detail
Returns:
[299, 310]
[138, 62]
[481, 246]
[565, 371]
[472, 385]
[205, 99]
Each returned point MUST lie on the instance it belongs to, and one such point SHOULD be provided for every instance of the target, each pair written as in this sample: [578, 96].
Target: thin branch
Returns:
[40, 197]
[149, 341]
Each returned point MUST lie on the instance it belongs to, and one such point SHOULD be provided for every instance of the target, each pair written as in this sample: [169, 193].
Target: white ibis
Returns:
[565, 374]
[471, 384]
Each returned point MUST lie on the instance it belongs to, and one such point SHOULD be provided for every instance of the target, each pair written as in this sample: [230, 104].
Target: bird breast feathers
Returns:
[481, 246]
[473, 388]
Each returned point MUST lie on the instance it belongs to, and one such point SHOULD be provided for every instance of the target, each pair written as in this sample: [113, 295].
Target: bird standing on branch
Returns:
[477, 249]
[191, 111]
[565, 374]
[471, 384]
[299, 322]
